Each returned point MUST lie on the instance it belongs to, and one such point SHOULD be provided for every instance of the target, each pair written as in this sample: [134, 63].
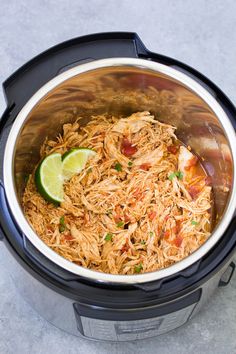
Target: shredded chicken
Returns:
[139, 205]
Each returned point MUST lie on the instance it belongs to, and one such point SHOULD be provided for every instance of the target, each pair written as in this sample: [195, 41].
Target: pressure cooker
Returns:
[93, 75]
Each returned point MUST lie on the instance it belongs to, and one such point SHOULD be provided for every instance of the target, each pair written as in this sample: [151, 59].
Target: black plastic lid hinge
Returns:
[5, 121]
[227, 276]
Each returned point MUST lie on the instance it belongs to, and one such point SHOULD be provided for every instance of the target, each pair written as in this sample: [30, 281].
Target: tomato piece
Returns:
[152, 215]
[127, 148]
[178, 241]
[176, 229]
[166, 234]
[173, 149]
[125, 248]
[69, 237]
[178, 225]
[145, 166]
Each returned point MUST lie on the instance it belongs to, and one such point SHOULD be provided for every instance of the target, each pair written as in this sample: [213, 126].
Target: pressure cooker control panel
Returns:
[104, 324]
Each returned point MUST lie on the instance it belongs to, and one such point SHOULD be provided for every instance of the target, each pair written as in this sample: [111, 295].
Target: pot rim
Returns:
[8, 172]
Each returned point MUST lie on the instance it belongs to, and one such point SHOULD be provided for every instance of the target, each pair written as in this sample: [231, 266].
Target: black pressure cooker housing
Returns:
[91, 298]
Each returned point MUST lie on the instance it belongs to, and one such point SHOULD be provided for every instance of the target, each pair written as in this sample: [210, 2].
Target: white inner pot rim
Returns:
[8, 170]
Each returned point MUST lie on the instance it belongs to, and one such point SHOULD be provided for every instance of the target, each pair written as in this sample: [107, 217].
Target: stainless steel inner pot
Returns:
[125, 85]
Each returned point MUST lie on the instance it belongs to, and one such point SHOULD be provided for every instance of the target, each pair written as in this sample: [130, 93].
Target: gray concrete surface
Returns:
[200, 33]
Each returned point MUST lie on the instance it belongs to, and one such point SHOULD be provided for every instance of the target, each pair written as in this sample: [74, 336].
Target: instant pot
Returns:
[114, 73]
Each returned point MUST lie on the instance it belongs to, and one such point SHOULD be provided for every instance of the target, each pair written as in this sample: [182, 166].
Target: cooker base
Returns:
[65, 313]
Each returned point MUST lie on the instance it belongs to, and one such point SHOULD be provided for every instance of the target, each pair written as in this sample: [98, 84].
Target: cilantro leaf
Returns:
[118, 167]
[108, 236]
[138, 268]
[120, 224]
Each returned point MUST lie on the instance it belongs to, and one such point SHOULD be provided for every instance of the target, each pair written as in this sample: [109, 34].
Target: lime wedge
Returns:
[74, 160]
[49, 179]
[55, 169]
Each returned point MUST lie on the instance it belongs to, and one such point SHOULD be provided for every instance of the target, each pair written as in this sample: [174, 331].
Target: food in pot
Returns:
[140, 202]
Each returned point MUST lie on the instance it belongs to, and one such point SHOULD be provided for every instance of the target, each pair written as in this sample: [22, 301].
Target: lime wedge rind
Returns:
[49, 180]
[75, 149]
[74, 161]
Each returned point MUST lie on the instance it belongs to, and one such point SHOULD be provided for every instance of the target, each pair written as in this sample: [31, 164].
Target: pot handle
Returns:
[2, 194]
[6, 222]
[22, 84]
[1, 233]
[226, 277]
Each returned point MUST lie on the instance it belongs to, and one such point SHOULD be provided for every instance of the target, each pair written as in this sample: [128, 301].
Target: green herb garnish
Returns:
[108, 236]
[62, 228]
[120, 224]
[62, 221]
[177, 174]
[194, 222]
[62, 225]
[138, 268]
[143, 242]
[118, 167]
[130, 163]
[151, 233]
[171, 176]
